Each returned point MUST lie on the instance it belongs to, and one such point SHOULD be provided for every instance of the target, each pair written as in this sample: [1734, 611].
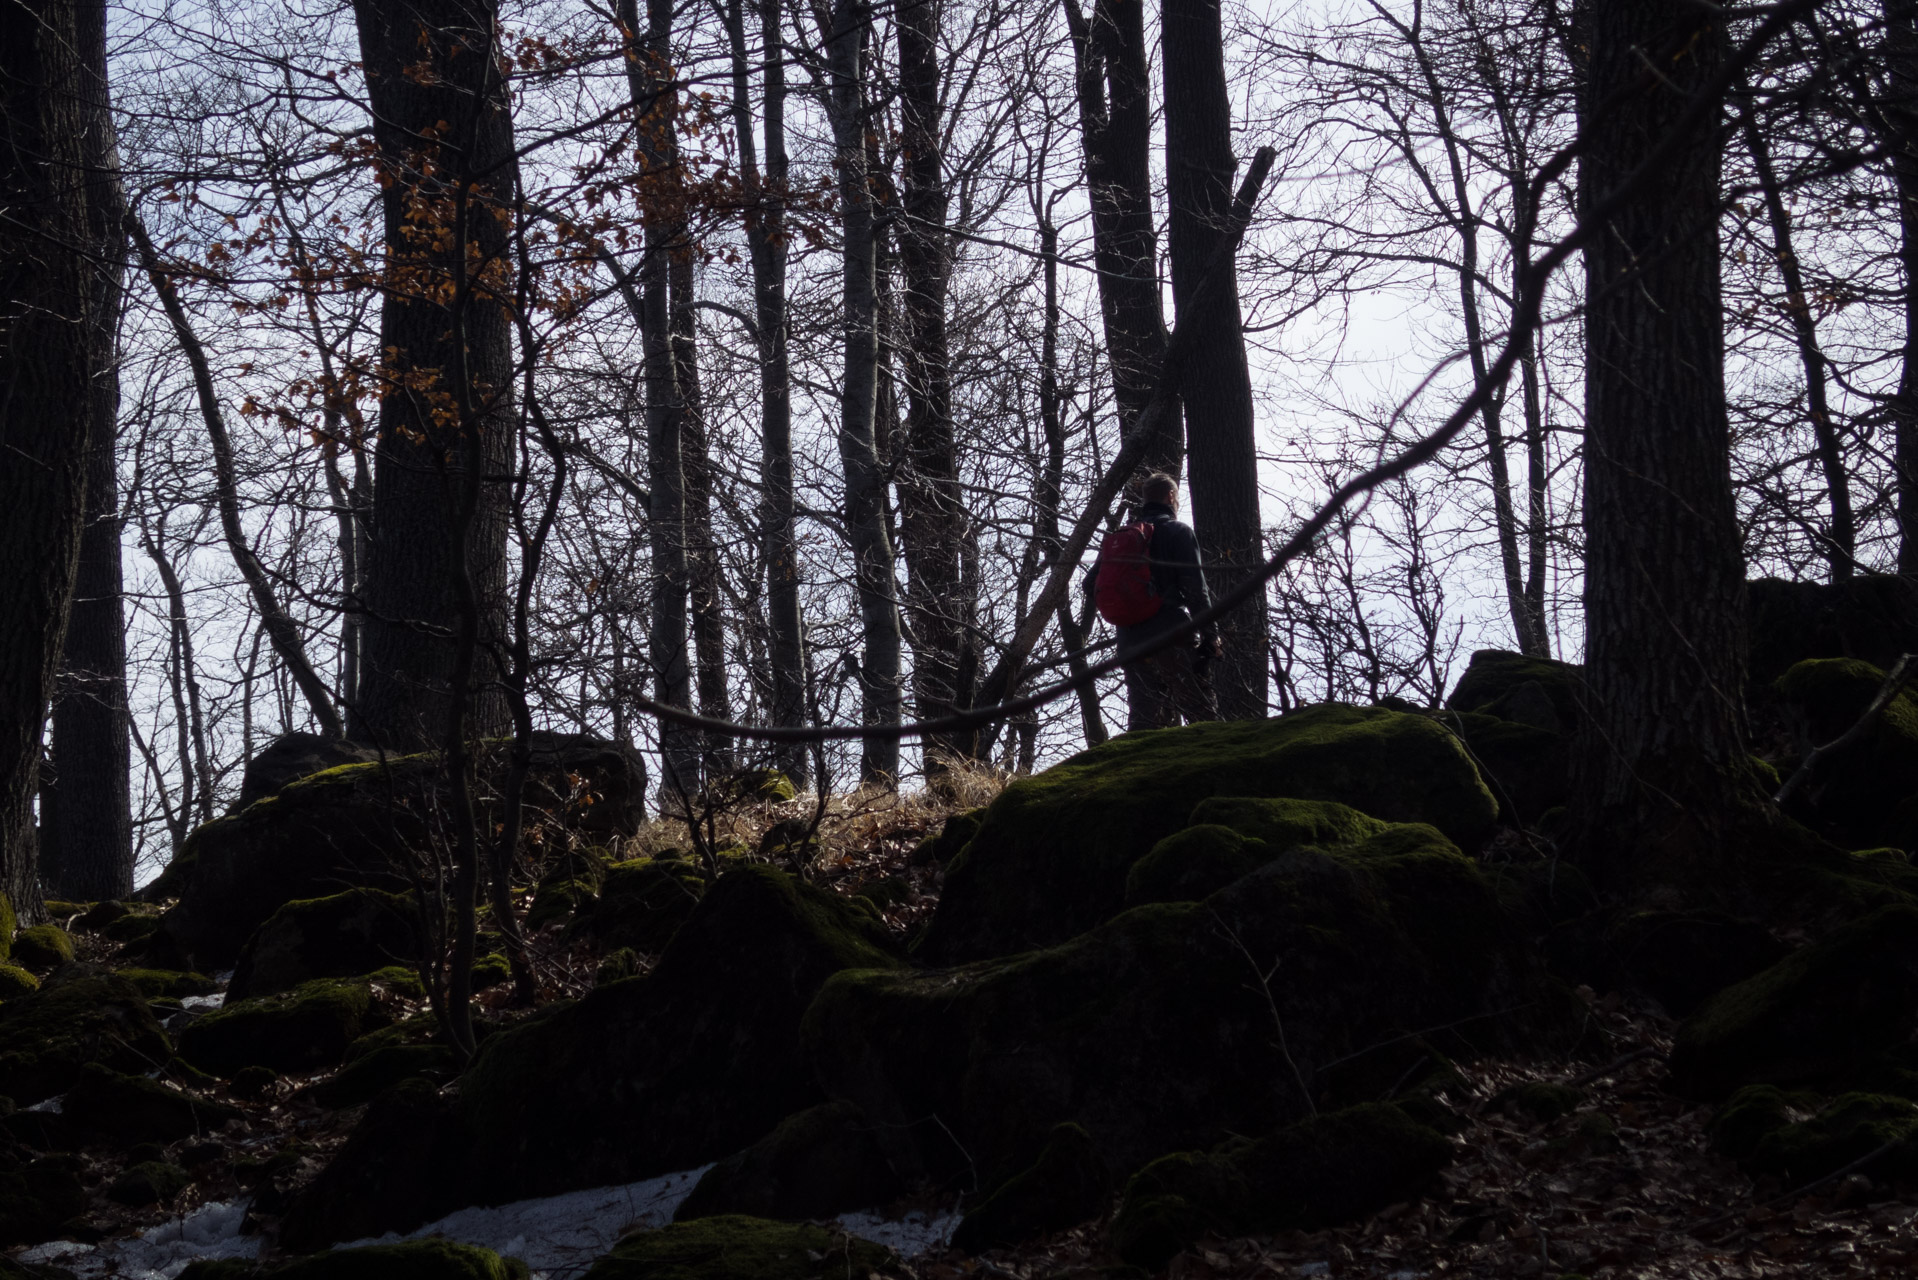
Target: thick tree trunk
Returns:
[932, 513]
[1901, 109]
[1222, 458]
[1840, 542]
[445, 136]
[1115, 119]
[86, 846]
[1662, 769]
[46, 415]
[766, 238]
[866, 516]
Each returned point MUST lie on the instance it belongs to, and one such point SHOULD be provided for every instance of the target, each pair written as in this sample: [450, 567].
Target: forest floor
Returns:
[1626, 1185]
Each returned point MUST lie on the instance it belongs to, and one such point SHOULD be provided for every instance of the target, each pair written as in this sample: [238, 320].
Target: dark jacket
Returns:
[1176, 575]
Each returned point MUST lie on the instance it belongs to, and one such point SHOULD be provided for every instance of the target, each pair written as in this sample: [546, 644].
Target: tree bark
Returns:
[46, 415]
[1115, 122]
[1901, 109]
[86, 846]
[766, 238]
[932, 513]
[702, 553]
[649, 83]
[1841, 538]
[866, 516]
[445, 136]
[1662, 767]
[1222, 456]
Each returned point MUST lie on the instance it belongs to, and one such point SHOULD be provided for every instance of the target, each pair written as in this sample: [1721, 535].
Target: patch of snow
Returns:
[203, 1004]
[561, 1236]
[1314, 1268]
[52, 1106]
[210, 1231]
[920, 1231]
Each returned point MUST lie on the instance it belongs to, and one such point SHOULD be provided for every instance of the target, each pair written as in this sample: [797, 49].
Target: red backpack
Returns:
[1125, 592]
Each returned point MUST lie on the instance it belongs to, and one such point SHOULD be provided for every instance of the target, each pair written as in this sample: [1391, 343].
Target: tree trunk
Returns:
[86, 847]
[649, 83]
[866, 520]
[1841, 538]
[932, 513]
[702, 553]
[1222, 456]
[46, 414]
[1901, 40]
[445, 136]
[766, 237]
[1662, 767]
[1115, 120]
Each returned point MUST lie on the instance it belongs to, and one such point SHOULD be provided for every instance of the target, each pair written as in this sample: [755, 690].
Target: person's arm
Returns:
[1190, 579]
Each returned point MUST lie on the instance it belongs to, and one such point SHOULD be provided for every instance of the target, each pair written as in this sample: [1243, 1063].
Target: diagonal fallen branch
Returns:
[1896, 679]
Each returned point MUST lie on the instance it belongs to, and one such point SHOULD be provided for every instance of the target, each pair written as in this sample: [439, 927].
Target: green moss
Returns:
[490, 971]
[48, 1035]
[1192, 864]
[1855, 797]
[150, 1182]
[945, 844]
[43, 947]
[1052, 854]
[1329, 1169]
[1852, 1127]
[1810, 1017]
[734, 1247]
[885, 891]
[412, 1260]
[1753, 1114]
[308, 1027]
[1065, 1186]
[556, 900]
[617, 965]
[15, 981]
[168, 982]
[642, 903]
[1496, 682]
[336, 936]
[767, 786]
[1283, 822]
[1155, 1030]
[130, 928]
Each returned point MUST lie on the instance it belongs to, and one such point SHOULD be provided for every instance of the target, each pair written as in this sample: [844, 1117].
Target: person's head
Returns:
[1160, 488]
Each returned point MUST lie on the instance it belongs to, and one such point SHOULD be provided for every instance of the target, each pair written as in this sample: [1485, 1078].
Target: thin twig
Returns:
[1710, 1224]
[1895, 680]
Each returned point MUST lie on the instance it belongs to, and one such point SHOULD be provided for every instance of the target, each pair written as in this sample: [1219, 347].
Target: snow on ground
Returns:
[559, 1237]
[211, 1231]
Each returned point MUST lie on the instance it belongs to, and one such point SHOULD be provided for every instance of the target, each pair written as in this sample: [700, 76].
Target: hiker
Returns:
[1146, 582]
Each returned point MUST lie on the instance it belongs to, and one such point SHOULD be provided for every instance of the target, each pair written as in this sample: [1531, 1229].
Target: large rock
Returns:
[1867, 793]
[1051, 856]
[410, 1260]
[1318, 1173]
[1065, 1186]
[37, 1197]
[127, 1109]
[402, 1166]
[337, 936]
[1812, 1017]
[293, 756]
[820, 1163]
[1176, 1024]
[682, 1066]
[47, 1036]
[360, 824]
[299, 1030]
[732, 1247]
[1873, 617]
[641, 904]
[1539, 692]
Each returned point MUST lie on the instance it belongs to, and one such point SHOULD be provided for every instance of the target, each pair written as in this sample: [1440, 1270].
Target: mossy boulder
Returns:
[765, 786]
[569, 885]
[170, 984]
[15, 981]
[299, 1030]
[1680, 958]
[404, 1164]
[734, 1247]
[1852, 1127]
[409, 1260]
[642, 903]
[1809, 1018]
[1051, 856]
[1320, 1172]
[1539, 692]
[1862, 795]
[123, 1109]
[41, 948]
[1175, 1024]
[683, 1066]
[47, 1036]
[149, 1182]
[1193, 864]
[1869, 616]
[817, 1163]
[1067, 1184]
[338, 936]
[366, 1077]
[38, 1197]
[1756, 1112]
[954, 834]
